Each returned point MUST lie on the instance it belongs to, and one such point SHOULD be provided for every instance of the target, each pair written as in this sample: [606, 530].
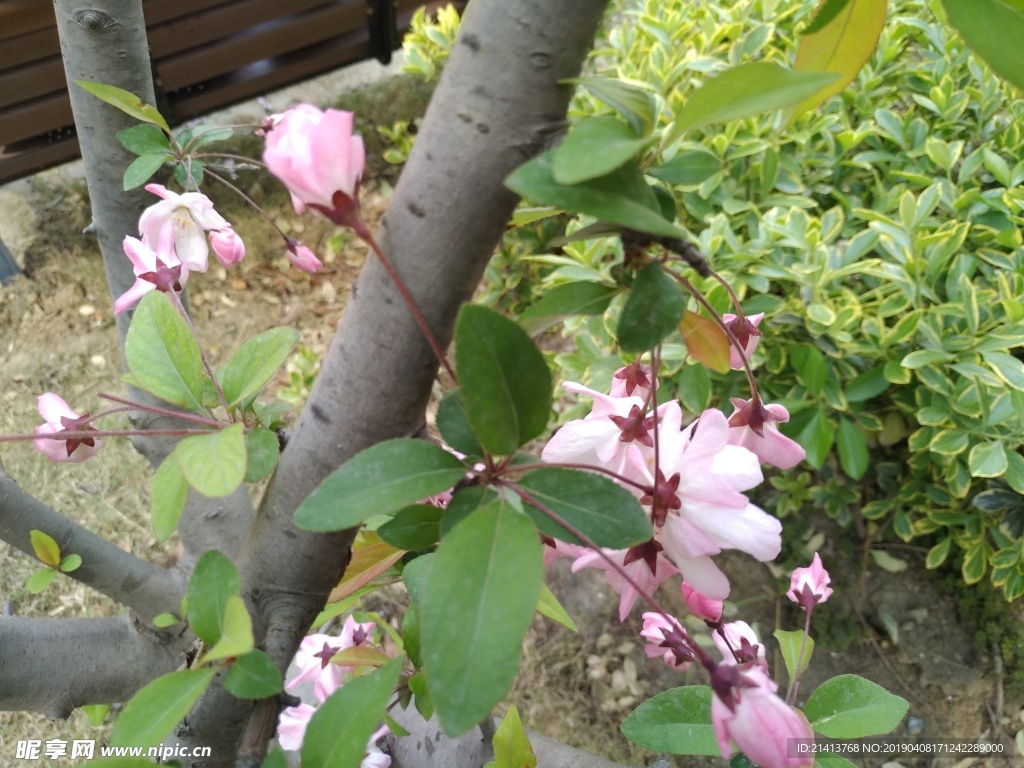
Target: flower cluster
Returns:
[315, 665]
[174, 243]
[60, 418]
[692, 484]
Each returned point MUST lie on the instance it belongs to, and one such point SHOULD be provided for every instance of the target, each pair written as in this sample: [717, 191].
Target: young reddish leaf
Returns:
[843, 46]
[705, 341]
[366, 565]
[45, 547]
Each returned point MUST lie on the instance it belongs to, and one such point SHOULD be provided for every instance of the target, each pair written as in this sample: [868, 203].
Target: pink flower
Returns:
[746, 712]
[633, 380]
[555, 549]
[318, 159]
[191, 215]
[302, 257]
[746, 334]
[161, 271]
[291, 726]
[704, 608]
[227, 246]
[810, 586]
[739, 646]
[316, 651]
[667, 640]
[59, 418]
[644, 563]
[754, 428]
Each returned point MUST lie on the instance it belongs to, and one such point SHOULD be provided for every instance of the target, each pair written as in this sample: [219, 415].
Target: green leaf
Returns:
[832, 761]
[987, 459]
[850, 707]
[816, 438]
[827, 11]
[511, 744]
[40, 580]
[153, 712]
[214, 464]
[993, 29]
[654, 307]
[214, 581]
[841, 44]
[253, 676]
[923, 357]
[207, 134]
[694, 388]
[677, 721]
[594, 505]
[163, 620]
[853, 450]
[379, 481]
[142, 168]
[594, 147]
[413, 528]
[71, 563]
[745, 90]
[689, 168]
[867, 385]
[276, 758]
[632, 102]
[949, 442]
[453, 424]
[183, 171]
[937, 555]
[45, 547]
[621, 197]
[975, 563]
[480, 596]
[126, 101]
[144, 139]
[577, 298]
[262, 451]
[1014, 475]
[341, 727]
[705, 341]
[95, 713]
[414, 576]
[463, 503]
[1007, 367]
[162, 354]
[548, 605]
[789, 644]
[504, 380]
[811, 367]
[252, 367]
[236, 637]
[167, 494]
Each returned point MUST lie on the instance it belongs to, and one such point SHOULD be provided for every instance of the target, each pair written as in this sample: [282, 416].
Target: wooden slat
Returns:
[31, 81]
[159, 11]
[290, 69]
[222, 22]
[35, 118]
[29, 47]
[19, 17]
[41, 156]
[273, 40]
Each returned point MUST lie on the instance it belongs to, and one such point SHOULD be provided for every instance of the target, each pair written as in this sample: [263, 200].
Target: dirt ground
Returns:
[902, 630]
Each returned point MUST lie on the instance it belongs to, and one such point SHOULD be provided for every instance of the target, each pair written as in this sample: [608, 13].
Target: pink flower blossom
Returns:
[746, 334]
[315, 155]
[302, 257]
[644, 564]
[632, 381]
[316, 651]
[704, 608]
[754, 428]
[191, 214]
[59, 418]
[739, 646]
[160, 270]
[291, 726]
[810, 586]
[747, 713]
[667, 640]
[555, 549]
[227, 246]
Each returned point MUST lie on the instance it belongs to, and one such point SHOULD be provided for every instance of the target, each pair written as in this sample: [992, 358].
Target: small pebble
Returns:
[914, 725]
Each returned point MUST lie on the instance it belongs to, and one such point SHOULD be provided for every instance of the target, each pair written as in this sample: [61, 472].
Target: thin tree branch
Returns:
[55, 665]
[143, 587]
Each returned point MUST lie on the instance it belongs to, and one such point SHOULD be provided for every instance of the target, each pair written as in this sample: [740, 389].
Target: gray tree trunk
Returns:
[499, 102]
